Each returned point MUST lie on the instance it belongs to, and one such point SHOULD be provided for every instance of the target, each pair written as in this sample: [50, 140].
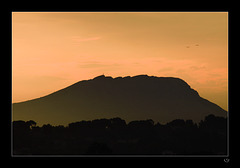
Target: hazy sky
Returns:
[51, 51]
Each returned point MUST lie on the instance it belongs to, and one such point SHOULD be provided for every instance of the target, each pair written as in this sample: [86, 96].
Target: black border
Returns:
[116, 6]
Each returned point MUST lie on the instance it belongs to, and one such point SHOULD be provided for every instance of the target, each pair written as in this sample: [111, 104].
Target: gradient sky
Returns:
[52, 50]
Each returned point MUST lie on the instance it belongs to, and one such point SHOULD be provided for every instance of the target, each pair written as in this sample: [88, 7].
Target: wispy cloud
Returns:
[77, 39]
[98, 64]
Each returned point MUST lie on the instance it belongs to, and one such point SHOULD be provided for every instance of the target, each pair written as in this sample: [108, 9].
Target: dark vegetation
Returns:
[115, 136]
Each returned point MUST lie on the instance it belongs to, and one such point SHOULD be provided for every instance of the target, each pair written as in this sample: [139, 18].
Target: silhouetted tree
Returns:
[114, 136]
[141, 124]
[117, 123]
[31, 123]
[81, 124]
[176, 123]
[100, 123]
[22, 136]
[213, 122]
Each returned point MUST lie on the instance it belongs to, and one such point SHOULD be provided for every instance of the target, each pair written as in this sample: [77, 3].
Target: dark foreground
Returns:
[114, 136]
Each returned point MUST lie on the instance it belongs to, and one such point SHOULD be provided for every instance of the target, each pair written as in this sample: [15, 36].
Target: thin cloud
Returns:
[98, 64]
[78, 39]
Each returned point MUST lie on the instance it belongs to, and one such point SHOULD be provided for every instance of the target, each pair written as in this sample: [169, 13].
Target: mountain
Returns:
[141, 97]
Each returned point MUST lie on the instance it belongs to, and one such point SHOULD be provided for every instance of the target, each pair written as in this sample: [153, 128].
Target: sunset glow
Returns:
[52, 50]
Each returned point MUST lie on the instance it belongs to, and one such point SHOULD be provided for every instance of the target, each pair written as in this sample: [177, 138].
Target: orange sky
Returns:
[52, 50]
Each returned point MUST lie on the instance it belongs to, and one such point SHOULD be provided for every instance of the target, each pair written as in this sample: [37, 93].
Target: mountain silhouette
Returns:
[141, 97]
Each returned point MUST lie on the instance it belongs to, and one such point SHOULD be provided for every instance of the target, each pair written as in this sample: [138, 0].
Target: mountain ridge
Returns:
[139, 97]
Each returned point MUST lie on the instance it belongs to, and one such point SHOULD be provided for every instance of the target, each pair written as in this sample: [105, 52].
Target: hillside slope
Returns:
[132, 98]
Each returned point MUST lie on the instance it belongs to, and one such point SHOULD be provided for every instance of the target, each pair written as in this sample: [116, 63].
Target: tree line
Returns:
[115, 136]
